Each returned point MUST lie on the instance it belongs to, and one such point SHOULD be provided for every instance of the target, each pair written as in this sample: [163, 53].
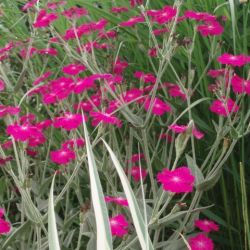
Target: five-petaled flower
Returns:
[137, 173]
[206, 225]
[62, 156]
[24, 132]
[69, 121]
[233, 60]
[240, 85]
[119, 225]
[224, 107]
[157, 106]
[212, 28]
[201, 242]
[73, 69]
[179, 180]
[105, 118]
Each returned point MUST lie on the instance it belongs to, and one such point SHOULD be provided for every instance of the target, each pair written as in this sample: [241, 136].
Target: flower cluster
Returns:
[201, 241]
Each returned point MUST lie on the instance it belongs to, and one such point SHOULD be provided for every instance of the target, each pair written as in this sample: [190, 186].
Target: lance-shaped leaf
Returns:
[140, 226]
[52, 230]
[104, 238]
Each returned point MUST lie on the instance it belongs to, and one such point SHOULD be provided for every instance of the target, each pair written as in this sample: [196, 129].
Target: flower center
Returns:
[176, 179]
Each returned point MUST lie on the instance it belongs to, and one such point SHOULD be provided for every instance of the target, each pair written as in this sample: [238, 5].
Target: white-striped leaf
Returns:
[140, 226]
[104, 238]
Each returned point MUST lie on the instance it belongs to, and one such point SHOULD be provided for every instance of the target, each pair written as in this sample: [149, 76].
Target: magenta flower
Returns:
[179, 180]
[29, 118]
[112, 106]
[99, 25]
[89, 46]
[73, 69]
[217, 72]
[183, 128]
[145, 77]
[85, 106]
[75, 12]
[166, 136]
[111, 34]
[163, 16]
[211, 29]
[2, 85]
[27, 53]
[72, 143]
[48, 51]
[119, 66]
[7, 144]
[178, 128]
[152, 52]
[199, 16]
[224, 107]
[119, 225]
[137, 173]
[136, 157]
[95, 101]
[53, 97]
[197, 133]
[5, 226]
[83, 29]
[83, 84]
[56, 90]
[132, 21]
[240, 85]
[42, 78]
[206, 225]
[118, 200]
[3, 161]
[31, 152]
[69, 121]
[23, 132]
[44, 124]
[201, 242]
[133, 94]
[234, 60]
[105, 118]
[158, 106]
[44, 19]
[62, 156]
[158, 32]
[175, 91]
[29, 5]
[9, 110]
[36, 141]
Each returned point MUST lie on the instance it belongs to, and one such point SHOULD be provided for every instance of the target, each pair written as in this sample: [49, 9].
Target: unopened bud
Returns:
[226, 143]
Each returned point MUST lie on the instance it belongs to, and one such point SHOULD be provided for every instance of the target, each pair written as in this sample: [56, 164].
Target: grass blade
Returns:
[138, 221]
[245, 207]
[104, 238]
[232, 10]
[52, 230]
